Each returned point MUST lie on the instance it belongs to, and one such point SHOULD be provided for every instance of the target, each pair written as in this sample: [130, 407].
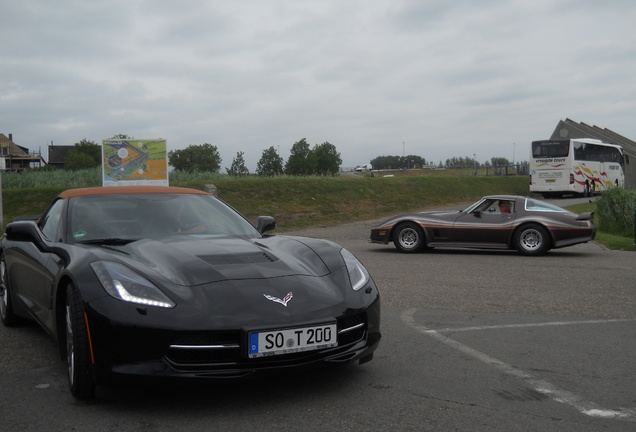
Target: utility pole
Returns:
[1, 208]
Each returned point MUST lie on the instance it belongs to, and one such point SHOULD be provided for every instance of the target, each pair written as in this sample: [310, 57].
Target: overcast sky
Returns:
[374, 77]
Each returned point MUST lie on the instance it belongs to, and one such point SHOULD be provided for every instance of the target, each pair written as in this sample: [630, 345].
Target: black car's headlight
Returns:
[358, 274]
[124, 284]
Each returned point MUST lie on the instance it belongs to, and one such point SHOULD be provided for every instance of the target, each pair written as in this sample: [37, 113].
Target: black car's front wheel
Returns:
[532, 239]
[6, 308]
[78, 356]
[409, 237]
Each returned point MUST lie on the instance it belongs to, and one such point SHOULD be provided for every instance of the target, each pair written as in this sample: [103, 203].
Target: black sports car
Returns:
[497, 222]
[173, 283]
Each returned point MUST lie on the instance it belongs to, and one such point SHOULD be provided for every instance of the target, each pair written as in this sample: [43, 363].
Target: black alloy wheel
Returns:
[6, 306]
[78, 355]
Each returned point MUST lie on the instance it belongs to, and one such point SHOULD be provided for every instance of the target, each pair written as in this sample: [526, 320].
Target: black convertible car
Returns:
[530, 226]
[165, 282]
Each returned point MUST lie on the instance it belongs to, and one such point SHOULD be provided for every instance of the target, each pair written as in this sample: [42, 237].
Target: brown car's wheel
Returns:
[409, 237]
[77, 347]
[532, 239]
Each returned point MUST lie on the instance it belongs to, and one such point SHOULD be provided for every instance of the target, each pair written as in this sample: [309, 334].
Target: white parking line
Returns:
[546, 324]
[585, 407]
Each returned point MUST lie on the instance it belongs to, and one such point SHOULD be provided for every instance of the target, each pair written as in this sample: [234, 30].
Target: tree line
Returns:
[304, 160]
[414, 161]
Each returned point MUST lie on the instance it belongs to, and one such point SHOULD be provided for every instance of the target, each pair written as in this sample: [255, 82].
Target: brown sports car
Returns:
[495, 222]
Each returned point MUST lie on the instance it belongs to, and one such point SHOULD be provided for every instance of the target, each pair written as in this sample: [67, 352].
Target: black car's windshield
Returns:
[136, 216]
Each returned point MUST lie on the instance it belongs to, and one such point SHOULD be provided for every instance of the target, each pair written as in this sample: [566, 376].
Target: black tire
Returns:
[6, 306]
[78, 356]
[532, 239]
[409, 238]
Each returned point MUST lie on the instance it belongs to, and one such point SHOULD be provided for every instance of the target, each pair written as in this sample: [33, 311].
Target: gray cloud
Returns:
[447, 79]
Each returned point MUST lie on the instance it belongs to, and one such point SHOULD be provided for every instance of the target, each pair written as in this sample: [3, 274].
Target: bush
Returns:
[615, 212]
[51, 177]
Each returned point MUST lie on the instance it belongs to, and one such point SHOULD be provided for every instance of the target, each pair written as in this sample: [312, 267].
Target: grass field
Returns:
[299, 202]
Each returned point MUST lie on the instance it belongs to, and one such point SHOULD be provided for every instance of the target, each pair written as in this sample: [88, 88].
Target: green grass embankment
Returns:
[303, 202]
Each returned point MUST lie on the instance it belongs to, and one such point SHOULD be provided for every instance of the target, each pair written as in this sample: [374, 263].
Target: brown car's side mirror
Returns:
[265, 223]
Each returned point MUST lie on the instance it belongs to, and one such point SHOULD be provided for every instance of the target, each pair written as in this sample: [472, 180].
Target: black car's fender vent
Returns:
[216, 347]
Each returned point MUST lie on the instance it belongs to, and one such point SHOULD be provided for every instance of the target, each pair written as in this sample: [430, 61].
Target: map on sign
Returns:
[131, 162]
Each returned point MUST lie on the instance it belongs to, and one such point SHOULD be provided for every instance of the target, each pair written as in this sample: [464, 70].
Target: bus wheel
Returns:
[532, 239]
[409, 238]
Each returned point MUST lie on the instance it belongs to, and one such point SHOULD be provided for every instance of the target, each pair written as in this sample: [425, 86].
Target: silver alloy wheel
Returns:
[531, 239]
[408, 238]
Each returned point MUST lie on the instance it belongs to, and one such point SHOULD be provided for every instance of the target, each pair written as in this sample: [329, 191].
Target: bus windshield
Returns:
[550, 149]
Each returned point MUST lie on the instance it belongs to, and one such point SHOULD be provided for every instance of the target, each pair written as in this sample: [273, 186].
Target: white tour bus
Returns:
[580, 166]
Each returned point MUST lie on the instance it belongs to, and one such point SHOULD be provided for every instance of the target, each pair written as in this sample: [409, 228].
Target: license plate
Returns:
[286, 341]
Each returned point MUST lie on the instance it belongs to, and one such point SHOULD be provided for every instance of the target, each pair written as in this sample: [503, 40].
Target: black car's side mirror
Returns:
[28, 231]
[265, 223]
[25, 231]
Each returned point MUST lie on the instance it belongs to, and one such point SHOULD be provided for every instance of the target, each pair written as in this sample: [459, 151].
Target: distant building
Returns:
[569, 129]
[18, 158]
[58, 153]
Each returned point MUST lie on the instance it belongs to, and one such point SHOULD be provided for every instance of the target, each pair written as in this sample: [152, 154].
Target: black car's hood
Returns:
[197, 261]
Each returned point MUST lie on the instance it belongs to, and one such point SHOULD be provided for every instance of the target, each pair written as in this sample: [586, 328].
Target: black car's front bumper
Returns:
[172, 350]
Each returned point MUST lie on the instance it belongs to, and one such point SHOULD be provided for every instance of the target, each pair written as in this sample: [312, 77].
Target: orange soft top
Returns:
[128, 190]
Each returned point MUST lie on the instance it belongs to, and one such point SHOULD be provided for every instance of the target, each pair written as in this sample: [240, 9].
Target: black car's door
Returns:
[32, 270]
[484, 227]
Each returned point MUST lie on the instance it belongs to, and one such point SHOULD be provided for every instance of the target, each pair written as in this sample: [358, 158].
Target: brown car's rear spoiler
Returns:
[585, 216]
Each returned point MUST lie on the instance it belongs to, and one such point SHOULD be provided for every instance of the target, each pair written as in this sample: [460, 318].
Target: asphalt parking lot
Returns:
[472, 341]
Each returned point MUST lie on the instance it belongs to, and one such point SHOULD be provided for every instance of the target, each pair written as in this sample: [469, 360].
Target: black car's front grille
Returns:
[208, 349]
[205, 347]
[207, 338]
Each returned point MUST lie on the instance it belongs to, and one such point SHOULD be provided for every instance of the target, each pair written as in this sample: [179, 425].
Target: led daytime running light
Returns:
[125, 295]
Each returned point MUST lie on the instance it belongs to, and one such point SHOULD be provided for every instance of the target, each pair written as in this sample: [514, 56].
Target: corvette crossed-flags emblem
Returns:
[282, 301]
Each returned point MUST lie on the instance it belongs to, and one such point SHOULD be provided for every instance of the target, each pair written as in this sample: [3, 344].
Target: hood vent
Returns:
[246, 258]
